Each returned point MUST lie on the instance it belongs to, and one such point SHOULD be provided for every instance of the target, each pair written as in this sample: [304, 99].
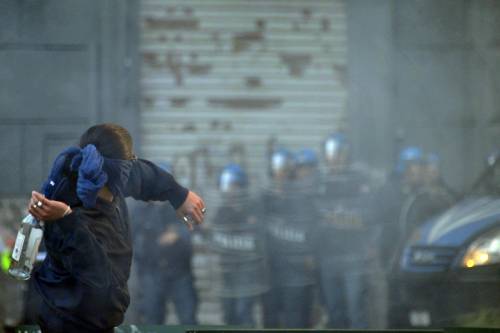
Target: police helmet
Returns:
[493, 158]
[232, 176]
[335, 145]
[282, 161]
[409, 155]
[306, 158]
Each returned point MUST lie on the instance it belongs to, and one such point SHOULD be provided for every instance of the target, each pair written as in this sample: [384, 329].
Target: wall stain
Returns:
[173, 23]
[220, 125]
[179, 102]
[245, 102]
[189, 127]
[243, 40]
[151, 59]
[195, 68]
[174, 64]
[296, 62]
[253, 82]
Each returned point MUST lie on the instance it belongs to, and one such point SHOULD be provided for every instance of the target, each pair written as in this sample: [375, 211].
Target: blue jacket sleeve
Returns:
[148, 182]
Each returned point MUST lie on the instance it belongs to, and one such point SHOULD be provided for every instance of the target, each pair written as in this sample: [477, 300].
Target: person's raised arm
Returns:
[148, 182]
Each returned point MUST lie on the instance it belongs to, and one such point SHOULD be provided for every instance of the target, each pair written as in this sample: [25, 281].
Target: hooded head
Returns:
[104, 158]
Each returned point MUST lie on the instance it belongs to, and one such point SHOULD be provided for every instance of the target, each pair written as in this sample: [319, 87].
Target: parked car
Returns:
[449, 270]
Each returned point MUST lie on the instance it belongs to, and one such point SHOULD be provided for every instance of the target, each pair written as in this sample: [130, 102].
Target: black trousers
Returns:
[239, 311]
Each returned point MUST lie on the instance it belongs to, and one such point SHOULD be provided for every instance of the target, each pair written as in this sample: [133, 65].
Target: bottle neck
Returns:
[31, 220]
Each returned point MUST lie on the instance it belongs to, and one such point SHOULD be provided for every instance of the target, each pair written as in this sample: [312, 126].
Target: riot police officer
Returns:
[163, 253]
[343, 237]
[388, 203]
[411, 196]
[288, 216]
[431, 198]
[236, 239]
[403, 183]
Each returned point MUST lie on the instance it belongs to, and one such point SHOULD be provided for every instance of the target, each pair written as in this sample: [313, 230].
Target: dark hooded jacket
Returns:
[83, 280]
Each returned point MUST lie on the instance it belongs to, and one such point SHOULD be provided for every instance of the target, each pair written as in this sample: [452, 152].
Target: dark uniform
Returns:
[387, 206]
[163, 269]
[418, 207]
[424, 203]
[290, 219]
[237, 240]
[344, 244]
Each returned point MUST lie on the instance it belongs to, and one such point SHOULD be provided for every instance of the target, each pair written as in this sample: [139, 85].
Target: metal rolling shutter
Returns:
[219, 72]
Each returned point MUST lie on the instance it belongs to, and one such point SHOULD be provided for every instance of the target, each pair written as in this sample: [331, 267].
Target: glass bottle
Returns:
[25, 249]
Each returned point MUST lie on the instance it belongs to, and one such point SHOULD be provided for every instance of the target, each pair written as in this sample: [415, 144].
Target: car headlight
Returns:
[483, 251]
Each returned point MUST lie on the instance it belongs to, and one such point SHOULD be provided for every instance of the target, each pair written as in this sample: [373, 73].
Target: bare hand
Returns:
[44, 209]
[192, 209]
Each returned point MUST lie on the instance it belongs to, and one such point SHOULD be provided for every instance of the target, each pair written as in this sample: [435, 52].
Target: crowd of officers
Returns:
[321, 241]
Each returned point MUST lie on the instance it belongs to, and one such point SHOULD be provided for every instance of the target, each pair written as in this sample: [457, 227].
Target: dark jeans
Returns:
[288, 307]
[239, 311]
[344, 297]
[157, 289]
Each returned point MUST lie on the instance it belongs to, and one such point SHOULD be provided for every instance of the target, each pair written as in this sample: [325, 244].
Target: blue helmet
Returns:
[334, 145]
[232, 175]
[306, 158]
[408, 155]
[282, 160]
[493, 158]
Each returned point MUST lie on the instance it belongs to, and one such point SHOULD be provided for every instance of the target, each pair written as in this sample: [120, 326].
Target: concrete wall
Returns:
[425, 72]
[64, 65]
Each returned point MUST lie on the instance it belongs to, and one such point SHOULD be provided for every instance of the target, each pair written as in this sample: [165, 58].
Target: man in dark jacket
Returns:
[420, 198]
[237, 241]
[291, 262]
[83, 280]
[344, 237]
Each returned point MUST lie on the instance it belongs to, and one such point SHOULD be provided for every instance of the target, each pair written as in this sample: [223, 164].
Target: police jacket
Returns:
[290, 216]
[343, 237]
[238, 241]
[83, 279]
